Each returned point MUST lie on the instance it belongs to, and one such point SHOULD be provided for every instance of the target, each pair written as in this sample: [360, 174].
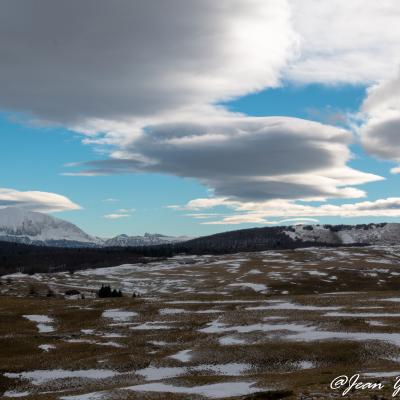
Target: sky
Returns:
[189, 117]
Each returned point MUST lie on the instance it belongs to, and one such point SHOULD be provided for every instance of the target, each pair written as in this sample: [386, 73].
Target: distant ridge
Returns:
[28, 227]
[289, 237]
[148, 239]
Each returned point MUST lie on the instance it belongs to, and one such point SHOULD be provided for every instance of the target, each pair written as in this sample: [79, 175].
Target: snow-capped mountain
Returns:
[29, 227]
[148, 239]
[383, 233]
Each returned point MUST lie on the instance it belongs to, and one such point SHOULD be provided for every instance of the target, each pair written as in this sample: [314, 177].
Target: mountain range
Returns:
[28, 227]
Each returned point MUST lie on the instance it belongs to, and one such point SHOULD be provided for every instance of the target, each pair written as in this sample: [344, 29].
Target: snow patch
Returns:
[46, 347]
[182, 356]
[43, 322]
[118, 315]
[39, 377]
[214, 391]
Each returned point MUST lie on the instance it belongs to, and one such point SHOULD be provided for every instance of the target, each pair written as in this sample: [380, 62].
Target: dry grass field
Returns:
[266, 325]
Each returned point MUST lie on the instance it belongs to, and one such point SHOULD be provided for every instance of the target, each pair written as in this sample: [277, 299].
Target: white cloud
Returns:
[239, 219]
[198, 204]
[117, 216]
[259, 220]
[202, 215]
[264, 212]
[345, 41]
[79, 173]
[380, 132]
[125, 210]
[36, 201]
[120, 213]
[395, 170]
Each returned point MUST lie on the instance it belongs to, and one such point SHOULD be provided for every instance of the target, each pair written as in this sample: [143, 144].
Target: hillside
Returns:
[289, 237]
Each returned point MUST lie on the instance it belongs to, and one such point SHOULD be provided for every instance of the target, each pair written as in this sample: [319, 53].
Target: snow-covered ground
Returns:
[212, 326]
[367, 234]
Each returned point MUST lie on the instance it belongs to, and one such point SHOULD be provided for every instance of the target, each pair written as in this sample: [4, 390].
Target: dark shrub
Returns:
[72, 292]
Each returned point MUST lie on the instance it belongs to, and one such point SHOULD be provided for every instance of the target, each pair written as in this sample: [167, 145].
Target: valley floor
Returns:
[264, 325]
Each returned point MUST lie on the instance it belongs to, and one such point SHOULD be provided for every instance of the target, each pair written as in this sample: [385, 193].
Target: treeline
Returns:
[28, 259]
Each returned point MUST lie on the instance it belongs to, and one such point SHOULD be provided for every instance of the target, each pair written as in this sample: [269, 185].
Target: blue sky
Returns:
[33, 157]
[224, 118]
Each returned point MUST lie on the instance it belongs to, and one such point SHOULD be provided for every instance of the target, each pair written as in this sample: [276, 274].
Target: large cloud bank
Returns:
[77, 61]
[146, 77]
[248, 159]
